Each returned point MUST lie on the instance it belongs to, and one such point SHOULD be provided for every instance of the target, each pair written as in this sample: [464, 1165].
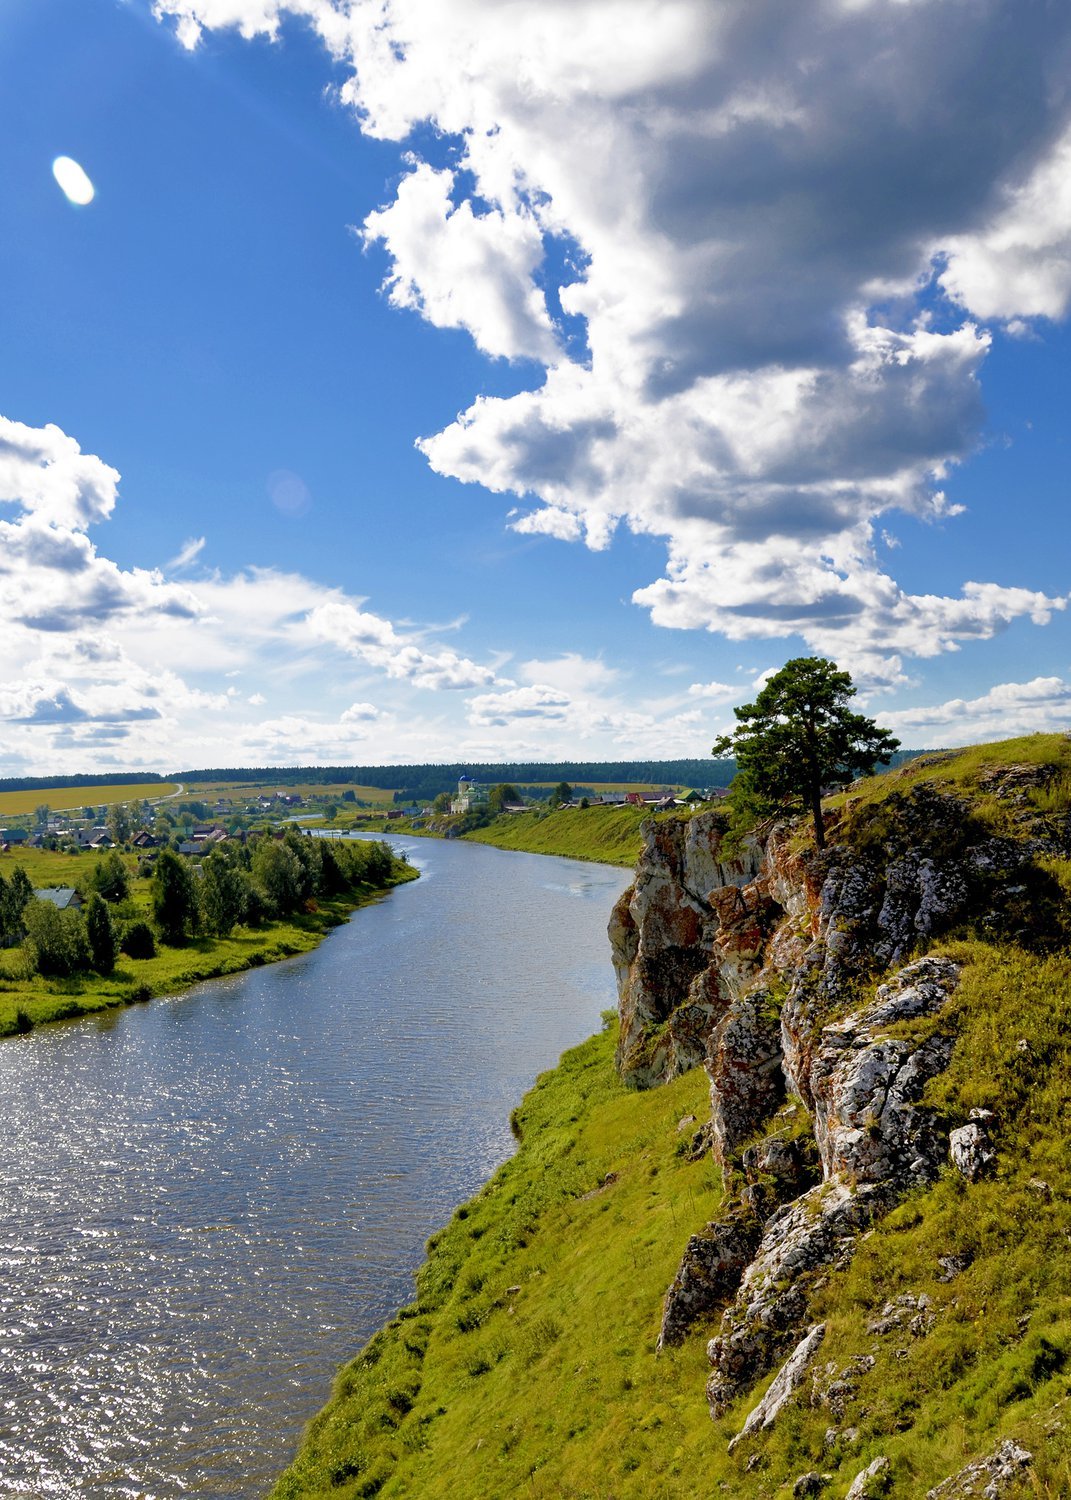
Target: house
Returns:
[63, 896]
[14, 835]
[634, 799]
[144, 840]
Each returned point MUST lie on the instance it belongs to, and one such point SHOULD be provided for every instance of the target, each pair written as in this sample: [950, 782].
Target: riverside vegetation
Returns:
[798, 1222]
[154, 926]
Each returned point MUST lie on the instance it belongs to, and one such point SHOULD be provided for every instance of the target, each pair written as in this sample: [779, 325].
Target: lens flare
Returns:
[73, 180]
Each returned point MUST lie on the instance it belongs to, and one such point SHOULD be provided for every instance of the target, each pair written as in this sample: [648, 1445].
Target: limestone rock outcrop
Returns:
[987, 1478]
[661, 932]
[801, 980]
[788, 1378]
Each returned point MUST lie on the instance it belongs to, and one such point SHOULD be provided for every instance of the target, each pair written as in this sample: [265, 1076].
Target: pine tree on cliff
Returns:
[800, 736]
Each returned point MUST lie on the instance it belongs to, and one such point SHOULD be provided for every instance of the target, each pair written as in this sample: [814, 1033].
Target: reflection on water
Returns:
[206, 1204]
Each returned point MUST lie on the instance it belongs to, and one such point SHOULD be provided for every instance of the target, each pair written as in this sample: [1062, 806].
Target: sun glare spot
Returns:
[72, 180]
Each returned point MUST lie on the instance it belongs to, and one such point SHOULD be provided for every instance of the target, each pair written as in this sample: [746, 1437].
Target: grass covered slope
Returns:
[527, 1365]
[607, 835]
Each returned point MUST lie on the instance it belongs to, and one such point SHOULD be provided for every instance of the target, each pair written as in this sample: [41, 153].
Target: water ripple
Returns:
[208, 1203]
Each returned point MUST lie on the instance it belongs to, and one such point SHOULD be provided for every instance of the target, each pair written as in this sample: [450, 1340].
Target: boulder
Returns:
[986, 1478]
[872, 1481]
[969, 1147]
[783, 1386]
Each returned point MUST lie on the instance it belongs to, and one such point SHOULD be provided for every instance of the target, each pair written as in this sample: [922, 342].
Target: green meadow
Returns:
[607, 835]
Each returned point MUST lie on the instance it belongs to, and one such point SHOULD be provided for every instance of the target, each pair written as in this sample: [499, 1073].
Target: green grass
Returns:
[527, 1365]
[607, 835]
[28, 999]
[528, 1359]
[45, 867]
[62, 799]
[959, 772]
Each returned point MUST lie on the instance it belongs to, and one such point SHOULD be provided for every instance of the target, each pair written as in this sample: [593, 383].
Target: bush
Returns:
[56, 940]
[110, 878]
[137, 941]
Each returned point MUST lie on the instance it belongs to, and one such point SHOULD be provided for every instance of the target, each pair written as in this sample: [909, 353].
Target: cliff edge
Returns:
[813, 988]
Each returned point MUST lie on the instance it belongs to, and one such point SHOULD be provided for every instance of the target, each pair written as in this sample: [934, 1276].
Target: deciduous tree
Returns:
[100, 931]
[174, 898]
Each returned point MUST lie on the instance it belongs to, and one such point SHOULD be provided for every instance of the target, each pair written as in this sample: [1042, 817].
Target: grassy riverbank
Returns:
[529, 1350]
[527, 1364]
[28, 1000]
[603, 835]
[607, 835]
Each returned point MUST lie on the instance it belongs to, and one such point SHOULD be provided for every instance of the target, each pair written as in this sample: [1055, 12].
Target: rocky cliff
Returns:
[807, 985]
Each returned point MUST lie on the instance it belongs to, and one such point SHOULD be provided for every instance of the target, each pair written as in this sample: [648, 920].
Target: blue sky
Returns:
[487, 380]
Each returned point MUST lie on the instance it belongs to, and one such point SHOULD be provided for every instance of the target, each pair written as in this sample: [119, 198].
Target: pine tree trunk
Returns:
[816, 814]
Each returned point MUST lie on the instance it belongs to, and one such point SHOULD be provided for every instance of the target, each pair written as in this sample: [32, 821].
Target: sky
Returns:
[434, 380]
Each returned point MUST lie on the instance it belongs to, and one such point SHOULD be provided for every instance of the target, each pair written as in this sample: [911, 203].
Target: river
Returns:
[209, 1202]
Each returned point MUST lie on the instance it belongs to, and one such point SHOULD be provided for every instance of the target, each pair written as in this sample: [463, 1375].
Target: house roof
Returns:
[59, 895]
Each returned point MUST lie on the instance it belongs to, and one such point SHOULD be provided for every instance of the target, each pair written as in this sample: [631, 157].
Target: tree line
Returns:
[238, 884]
[93, 778]
[422, 783]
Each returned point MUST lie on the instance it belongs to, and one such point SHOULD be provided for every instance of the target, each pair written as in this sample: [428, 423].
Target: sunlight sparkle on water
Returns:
[73, 181]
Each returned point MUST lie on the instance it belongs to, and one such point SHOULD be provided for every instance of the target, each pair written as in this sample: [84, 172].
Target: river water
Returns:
[209, 1202]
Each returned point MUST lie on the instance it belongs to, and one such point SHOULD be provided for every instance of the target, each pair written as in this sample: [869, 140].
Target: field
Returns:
[240, 791]
[62, 799]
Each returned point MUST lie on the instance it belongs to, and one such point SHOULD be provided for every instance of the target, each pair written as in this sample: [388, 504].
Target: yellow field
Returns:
[203, 791]
[60, 799]
[648, 788]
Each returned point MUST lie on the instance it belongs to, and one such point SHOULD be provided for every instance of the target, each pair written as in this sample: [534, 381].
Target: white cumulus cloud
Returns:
[752, 197]
[376, 642]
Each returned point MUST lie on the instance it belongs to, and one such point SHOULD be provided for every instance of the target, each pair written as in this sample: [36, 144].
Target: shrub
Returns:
[56, 939]
[137, 941]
